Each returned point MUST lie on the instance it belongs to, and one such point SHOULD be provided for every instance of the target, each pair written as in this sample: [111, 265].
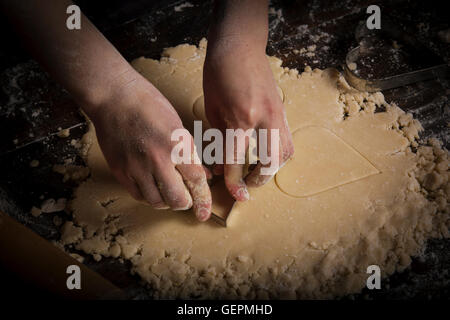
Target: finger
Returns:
[263, 172]
[151, 193]
[234, 172]
[195, 179]
[172, 188]
[234, 181]
[287, 143]
[256, 178]
[129, 184]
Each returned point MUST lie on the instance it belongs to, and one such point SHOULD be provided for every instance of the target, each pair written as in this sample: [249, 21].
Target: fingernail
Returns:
[242, 194]
[203, 214]
[160, 206]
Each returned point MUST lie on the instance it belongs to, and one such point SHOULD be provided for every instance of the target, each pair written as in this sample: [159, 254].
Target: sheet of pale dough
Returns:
[354, 195]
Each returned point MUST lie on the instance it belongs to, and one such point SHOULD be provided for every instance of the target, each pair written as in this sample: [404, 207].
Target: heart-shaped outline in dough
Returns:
[318, 165]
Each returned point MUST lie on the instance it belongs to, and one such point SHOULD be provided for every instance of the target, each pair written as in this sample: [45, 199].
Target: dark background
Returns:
[33, 107]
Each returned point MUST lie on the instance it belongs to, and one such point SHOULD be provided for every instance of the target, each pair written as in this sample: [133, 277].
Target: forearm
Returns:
[241, 21]
[83, 61]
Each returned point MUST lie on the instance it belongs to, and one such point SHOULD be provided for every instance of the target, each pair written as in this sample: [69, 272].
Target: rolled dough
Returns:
[322, 161]
[359, 191]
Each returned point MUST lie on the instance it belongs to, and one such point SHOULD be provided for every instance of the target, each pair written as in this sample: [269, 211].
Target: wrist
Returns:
[244, 21]
[109, 93]
[235, 45]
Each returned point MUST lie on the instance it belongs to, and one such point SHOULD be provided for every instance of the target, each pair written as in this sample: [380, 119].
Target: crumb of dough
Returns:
[315, 246]
[76, 143]
[115, 250]
[51, 205]
[85, 143]
[64, 133]
[72, 172]
[182, 6]
[34, 163]
[70, 233]
[396, 45]
[352, 66]
[312, 48]
[77, 257]
[97, 257]
[35, 212]
[57, 221]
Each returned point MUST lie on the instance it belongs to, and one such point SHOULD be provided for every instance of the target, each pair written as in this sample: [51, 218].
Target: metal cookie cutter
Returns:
[372, 85]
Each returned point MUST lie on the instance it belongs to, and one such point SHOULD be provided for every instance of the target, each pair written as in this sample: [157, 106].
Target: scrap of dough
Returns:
[322, 161]
[35, 212]
[352, 66]
[51, 205]
[277, 246]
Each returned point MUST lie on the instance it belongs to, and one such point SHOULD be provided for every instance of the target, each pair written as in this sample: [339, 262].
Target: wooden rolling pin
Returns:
[37, 261]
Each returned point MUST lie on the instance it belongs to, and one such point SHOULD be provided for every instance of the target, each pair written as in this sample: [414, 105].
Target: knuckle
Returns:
[193, 173]
[177, 199]
[245, 112]
[197, 177]
[249, 116]
[158, 162]
[138, 146]
[270, 105]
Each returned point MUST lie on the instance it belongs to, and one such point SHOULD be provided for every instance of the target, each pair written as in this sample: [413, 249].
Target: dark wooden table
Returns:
[33, 107]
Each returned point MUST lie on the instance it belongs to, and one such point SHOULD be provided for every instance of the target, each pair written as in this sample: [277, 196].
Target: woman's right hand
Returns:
[134, 127]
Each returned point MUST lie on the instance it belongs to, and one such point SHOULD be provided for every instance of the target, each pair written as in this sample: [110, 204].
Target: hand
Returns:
[133, 120]
[240, 92]
[134, 127]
